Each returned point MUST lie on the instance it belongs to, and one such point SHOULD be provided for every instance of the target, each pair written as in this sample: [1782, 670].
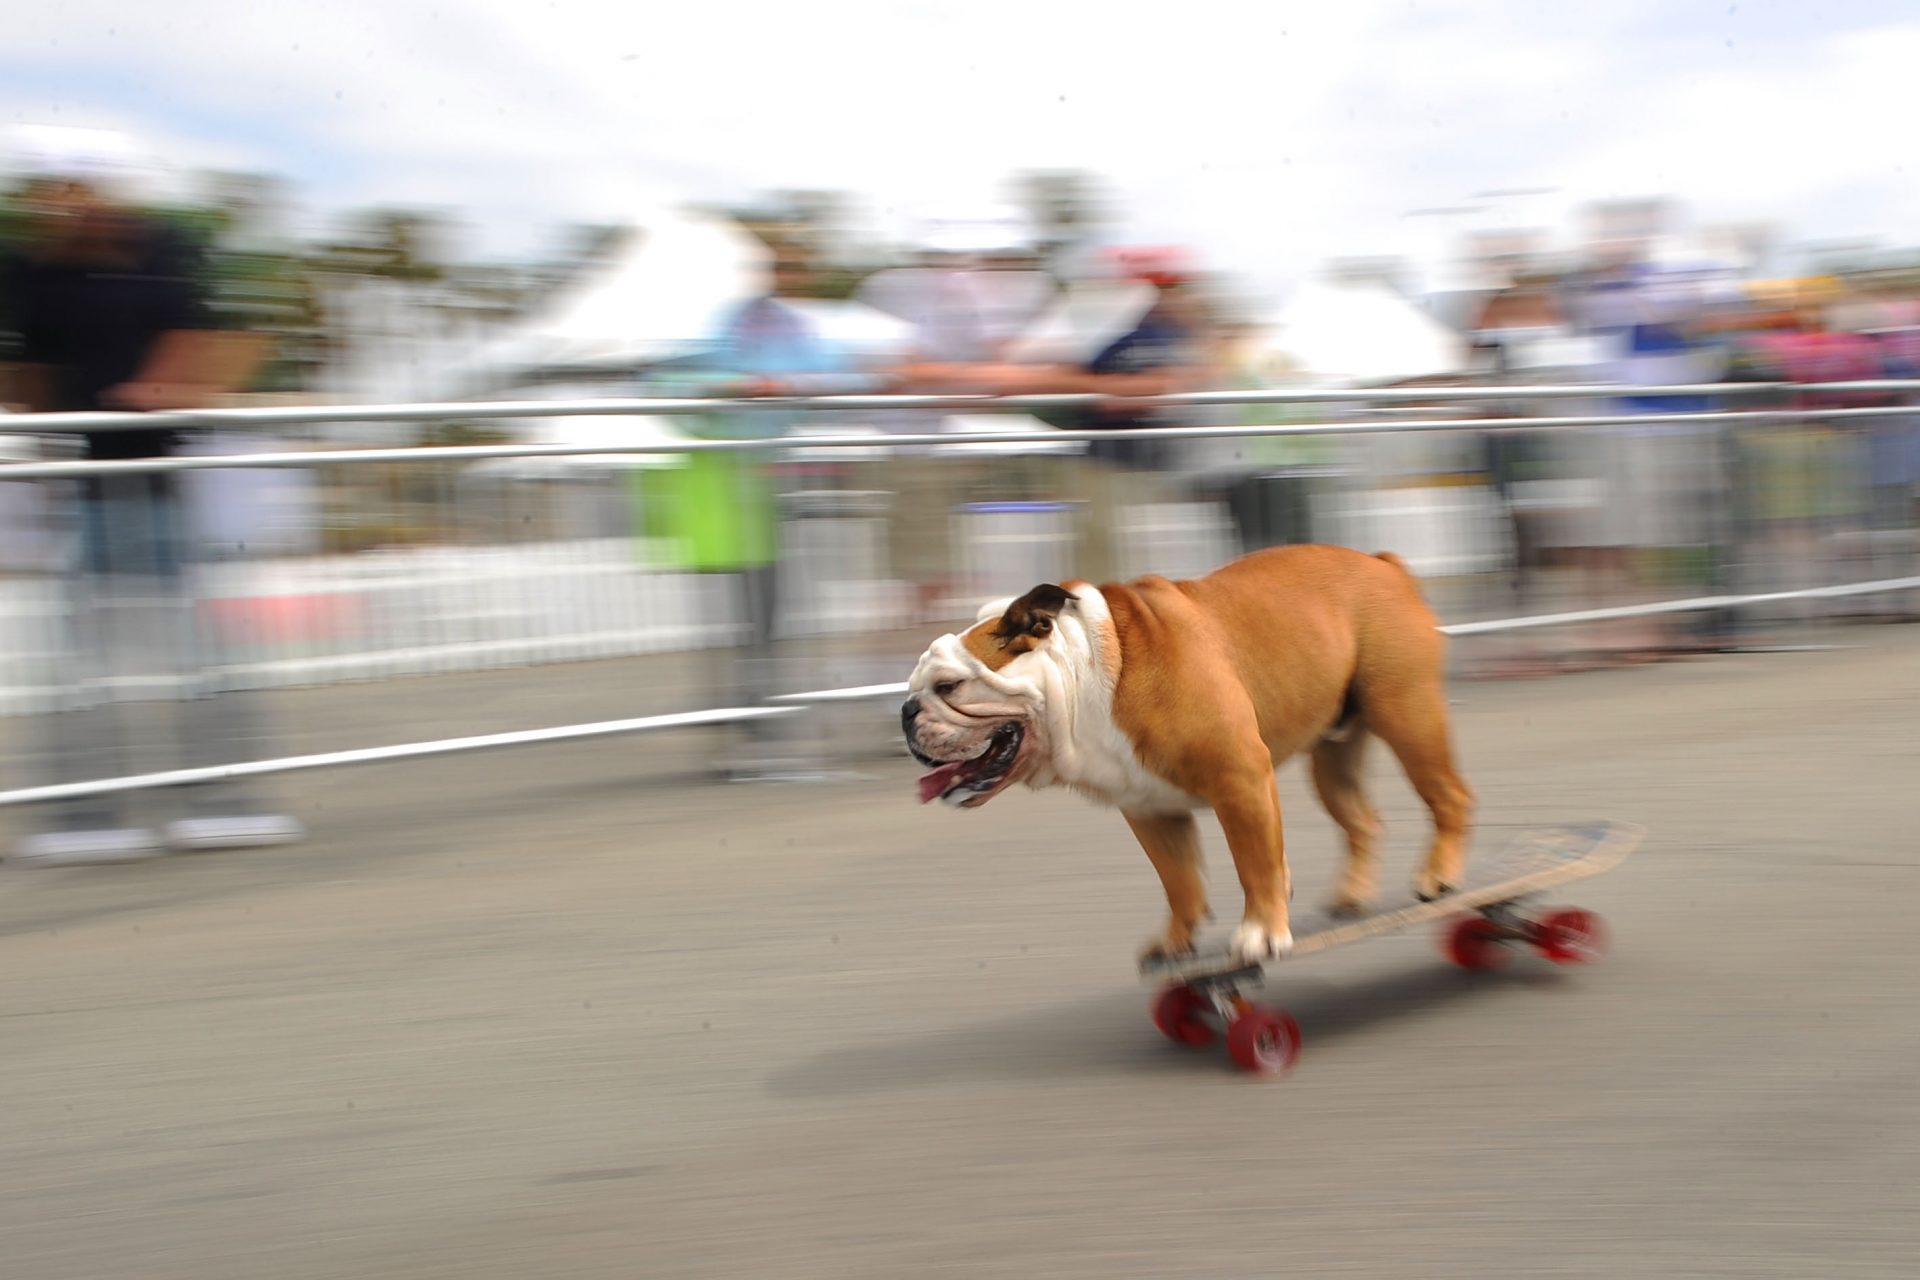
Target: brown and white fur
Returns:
[1161, 698]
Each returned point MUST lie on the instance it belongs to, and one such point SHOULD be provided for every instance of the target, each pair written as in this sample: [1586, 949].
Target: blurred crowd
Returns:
[106, 306]
[1714, 505]
[1629, 509]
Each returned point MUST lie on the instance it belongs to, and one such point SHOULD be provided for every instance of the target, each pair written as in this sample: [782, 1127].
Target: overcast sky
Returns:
[1270, 134]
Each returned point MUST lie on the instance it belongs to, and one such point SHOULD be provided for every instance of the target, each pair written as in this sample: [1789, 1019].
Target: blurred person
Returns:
[971, 290]
[1269, 483]
[1656, 520]
[108, 307]
[968, 295]
[1505, 335]
[722, 508]
[1894, 458]
[1811, 479]
[1174, 346]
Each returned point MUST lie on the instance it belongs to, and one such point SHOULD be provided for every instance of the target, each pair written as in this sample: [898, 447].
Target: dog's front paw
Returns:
[1174, 944]
[1159, 952]
[1427, 887]
[1254, 943]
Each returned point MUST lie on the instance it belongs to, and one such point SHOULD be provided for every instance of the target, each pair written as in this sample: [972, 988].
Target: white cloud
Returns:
[1271, 135]
[1818, 143]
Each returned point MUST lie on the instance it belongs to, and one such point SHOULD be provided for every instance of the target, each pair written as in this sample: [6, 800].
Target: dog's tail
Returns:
[1394, 560]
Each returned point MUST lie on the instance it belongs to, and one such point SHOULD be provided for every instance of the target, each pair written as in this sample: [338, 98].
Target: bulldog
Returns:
[1161, 698]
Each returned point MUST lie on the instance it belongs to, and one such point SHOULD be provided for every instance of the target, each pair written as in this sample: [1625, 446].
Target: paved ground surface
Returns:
[561, 1013]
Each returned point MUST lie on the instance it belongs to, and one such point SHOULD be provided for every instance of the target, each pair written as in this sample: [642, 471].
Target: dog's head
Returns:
[975, 713]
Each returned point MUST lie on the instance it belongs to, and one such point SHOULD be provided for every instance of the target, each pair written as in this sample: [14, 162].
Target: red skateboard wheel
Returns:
[1476, 944]
[1571, 936]
[1178, 1012]
[1264, 1041]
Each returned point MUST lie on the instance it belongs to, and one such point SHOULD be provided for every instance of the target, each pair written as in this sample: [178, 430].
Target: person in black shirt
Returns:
[106, 310]
[105, 304]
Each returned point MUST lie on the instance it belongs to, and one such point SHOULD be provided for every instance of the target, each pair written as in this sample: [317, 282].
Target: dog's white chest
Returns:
[1103, 766]
[1142, 793]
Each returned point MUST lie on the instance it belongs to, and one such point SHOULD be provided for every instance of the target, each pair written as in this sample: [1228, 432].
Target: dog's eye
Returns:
[946, 687]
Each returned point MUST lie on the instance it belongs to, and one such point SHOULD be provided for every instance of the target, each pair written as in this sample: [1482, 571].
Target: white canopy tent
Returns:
[869, 335]
[1358, 334]
[665, 290]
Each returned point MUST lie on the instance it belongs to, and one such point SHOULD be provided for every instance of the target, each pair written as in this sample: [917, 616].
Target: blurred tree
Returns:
[817, 224]
[258, 275]
[390, 244]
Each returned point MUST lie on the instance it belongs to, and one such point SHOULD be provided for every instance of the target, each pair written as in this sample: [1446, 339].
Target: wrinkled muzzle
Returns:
[966, 763]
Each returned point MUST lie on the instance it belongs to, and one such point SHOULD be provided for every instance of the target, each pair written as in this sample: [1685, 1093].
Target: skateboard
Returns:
[1485, 917]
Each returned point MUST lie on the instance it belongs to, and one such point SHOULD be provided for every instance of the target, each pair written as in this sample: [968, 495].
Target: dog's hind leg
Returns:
[1339, 777]
[1413, 722]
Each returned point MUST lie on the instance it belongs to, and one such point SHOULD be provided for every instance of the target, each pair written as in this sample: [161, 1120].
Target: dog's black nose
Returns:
[908, 710]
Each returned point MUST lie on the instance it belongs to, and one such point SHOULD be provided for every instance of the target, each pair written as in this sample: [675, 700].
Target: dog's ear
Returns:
[993, 608]
[1029, 620]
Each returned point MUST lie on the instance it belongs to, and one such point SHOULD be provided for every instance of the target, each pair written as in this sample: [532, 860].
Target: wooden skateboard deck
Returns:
[1538, 860]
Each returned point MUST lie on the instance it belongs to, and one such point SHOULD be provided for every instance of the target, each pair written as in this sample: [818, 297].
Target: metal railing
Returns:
[619, 407]
[1342, 405]
[614, 406]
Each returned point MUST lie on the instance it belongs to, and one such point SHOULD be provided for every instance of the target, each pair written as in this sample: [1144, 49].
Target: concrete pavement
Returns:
[559, 1013]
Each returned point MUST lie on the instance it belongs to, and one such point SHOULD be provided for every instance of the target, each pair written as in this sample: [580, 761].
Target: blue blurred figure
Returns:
[721, 509]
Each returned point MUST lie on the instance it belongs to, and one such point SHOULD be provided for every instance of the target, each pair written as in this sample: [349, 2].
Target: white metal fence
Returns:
[386, 563]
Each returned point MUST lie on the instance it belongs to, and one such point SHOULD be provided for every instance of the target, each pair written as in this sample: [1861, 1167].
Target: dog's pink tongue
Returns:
[933, 785]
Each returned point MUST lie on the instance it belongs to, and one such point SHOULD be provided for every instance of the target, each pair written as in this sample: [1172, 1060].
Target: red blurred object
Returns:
[1162, 265]
[1180, 1014]
[1264, 1041]
[1476, 944]
[1572, 936]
